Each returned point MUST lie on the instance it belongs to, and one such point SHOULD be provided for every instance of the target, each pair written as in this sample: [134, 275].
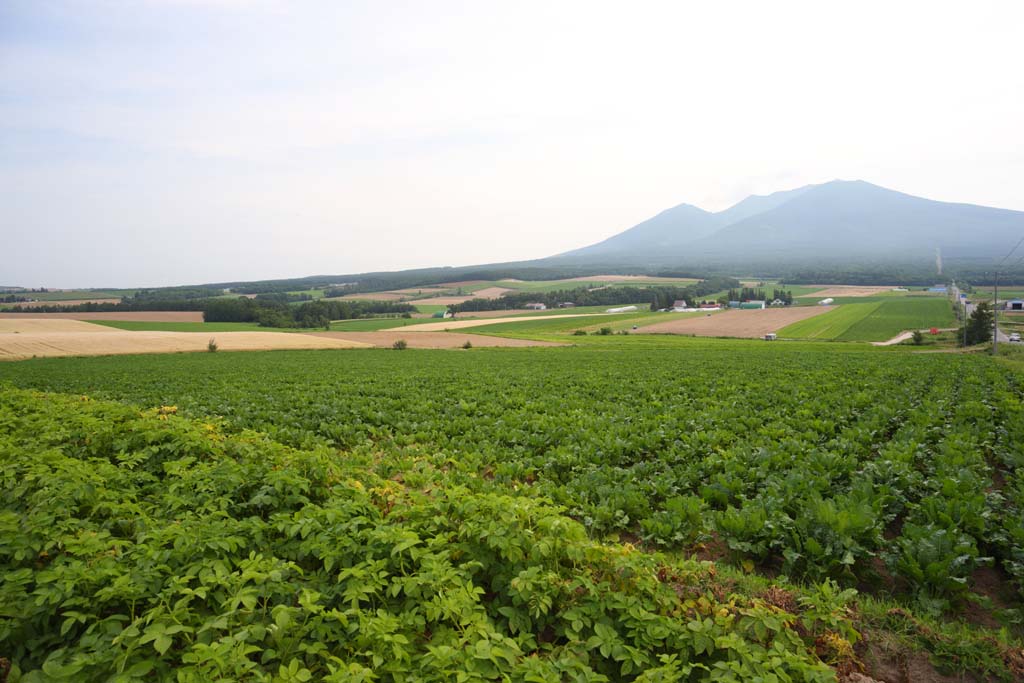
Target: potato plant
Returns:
[821, 462]
[141, 545]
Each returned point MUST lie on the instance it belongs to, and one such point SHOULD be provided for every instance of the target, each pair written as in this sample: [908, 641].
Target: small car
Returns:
[1015, 336]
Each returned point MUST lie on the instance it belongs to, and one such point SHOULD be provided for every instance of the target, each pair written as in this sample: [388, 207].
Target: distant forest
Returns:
[658, 296]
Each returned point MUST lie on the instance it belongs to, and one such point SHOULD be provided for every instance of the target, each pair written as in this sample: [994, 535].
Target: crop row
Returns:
[852, 466]
[145, 546]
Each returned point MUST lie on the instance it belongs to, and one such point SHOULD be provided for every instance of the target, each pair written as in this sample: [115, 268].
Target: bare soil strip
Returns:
[736, 323]
[491, 292]
[428, 340]
[141, 316]
[848, 290]
[461, 323]
[441, 300]
[116, 342]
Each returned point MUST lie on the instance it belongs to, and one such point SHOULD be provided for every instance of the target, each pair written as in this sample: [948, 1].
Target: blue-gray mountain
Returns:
[840, 221]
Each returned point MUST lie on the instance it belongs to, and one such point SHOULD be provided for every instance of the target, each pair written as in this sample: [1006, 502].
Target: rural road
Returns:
[903, 336]
[1001, 336]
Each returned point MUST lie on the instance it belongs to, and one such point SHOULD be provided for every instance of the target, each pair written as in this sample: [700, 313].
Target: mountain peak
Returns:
[839, 219]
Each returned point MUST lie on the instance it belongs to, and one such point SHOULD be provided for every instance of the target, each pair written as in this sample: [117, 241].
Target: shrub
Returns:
[605, 331]
[467, 345]
[917, 337]
[580, 333]
[400, 345]
[211, 345]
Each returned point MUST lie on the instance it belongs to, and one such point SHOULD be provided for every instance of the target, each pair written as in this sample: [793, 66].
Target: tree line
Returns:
[661, 296]
[268, 312]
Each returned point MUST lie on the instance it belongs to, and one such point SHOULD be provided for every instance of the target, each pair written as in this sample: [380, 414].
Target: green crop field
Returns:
[874, 319]
[374, 324]
[539, 327]
[898, 315]
[829, 325]
[516, 514]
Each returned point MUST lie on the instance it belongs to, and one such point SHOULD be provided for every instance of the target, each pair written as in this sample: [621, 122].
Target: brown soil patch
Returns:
[894, 665]
[459, 324]
[441, 300]
[66, 302]
[116, 342]
[736, 323]
[848, 290]
[428, 340]
[994, 584]
[141, 316]
[491, 292]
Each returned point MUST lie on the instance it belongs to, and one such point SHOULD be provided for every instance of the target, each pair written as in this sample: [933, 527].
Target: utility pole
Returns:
[995, 317]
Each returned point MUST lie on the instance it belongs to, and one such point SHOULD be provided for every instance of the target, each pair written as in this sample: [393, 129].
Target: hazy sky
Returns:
[168, 142]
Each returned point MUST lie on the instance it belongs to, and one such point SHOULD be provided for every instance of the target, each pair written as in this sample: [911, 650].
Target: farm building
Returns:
[621, 309]
[777, 302]
[1014, 305]
[535, 307]
[710, 307]
[826, 302]
[734, 304]
[679, 303]
[752, 305]
[567, 304]
[938, 288]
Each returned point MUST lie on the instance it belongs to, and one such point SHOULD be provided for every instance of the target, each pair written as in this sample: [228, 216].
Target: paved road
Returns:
[1001, 336]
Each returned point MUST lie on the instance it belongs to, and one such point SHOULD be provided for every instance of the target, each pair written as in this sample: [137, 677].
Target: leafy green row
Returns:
[848, 466]
[136, 546]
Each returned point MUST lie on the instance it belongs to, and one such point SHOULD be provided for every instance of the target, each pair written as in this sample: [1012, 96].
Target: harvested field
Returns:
[491, 292]
[440, 300]
[140, 316]
[493, 314]
[849, 290]
[459, 324]
[109, 341]
[428, 340]
[736, 323]
[37, 326]
[65, 302]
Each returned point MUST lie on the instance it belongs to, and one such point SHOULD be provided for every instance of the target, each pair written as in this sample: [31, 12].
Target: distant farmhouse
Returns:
[535, 307]
[1014, 305]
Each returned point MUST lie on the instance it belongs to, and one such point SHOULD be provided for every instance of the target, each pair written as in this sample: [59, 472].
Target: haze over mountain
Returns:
[839, 221]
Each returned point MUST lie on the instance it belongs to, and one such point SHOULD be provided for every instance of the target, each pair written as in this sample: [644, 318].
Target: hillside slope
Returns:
[839, 220]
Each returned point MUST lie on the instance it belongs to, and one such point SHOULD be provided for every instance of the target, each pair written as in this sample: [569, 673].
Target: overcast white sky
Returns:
[171, 142]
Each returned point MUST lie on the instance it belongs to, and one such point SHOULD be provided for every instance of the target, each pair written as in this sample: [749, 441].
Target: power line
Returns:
[1010, 253]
